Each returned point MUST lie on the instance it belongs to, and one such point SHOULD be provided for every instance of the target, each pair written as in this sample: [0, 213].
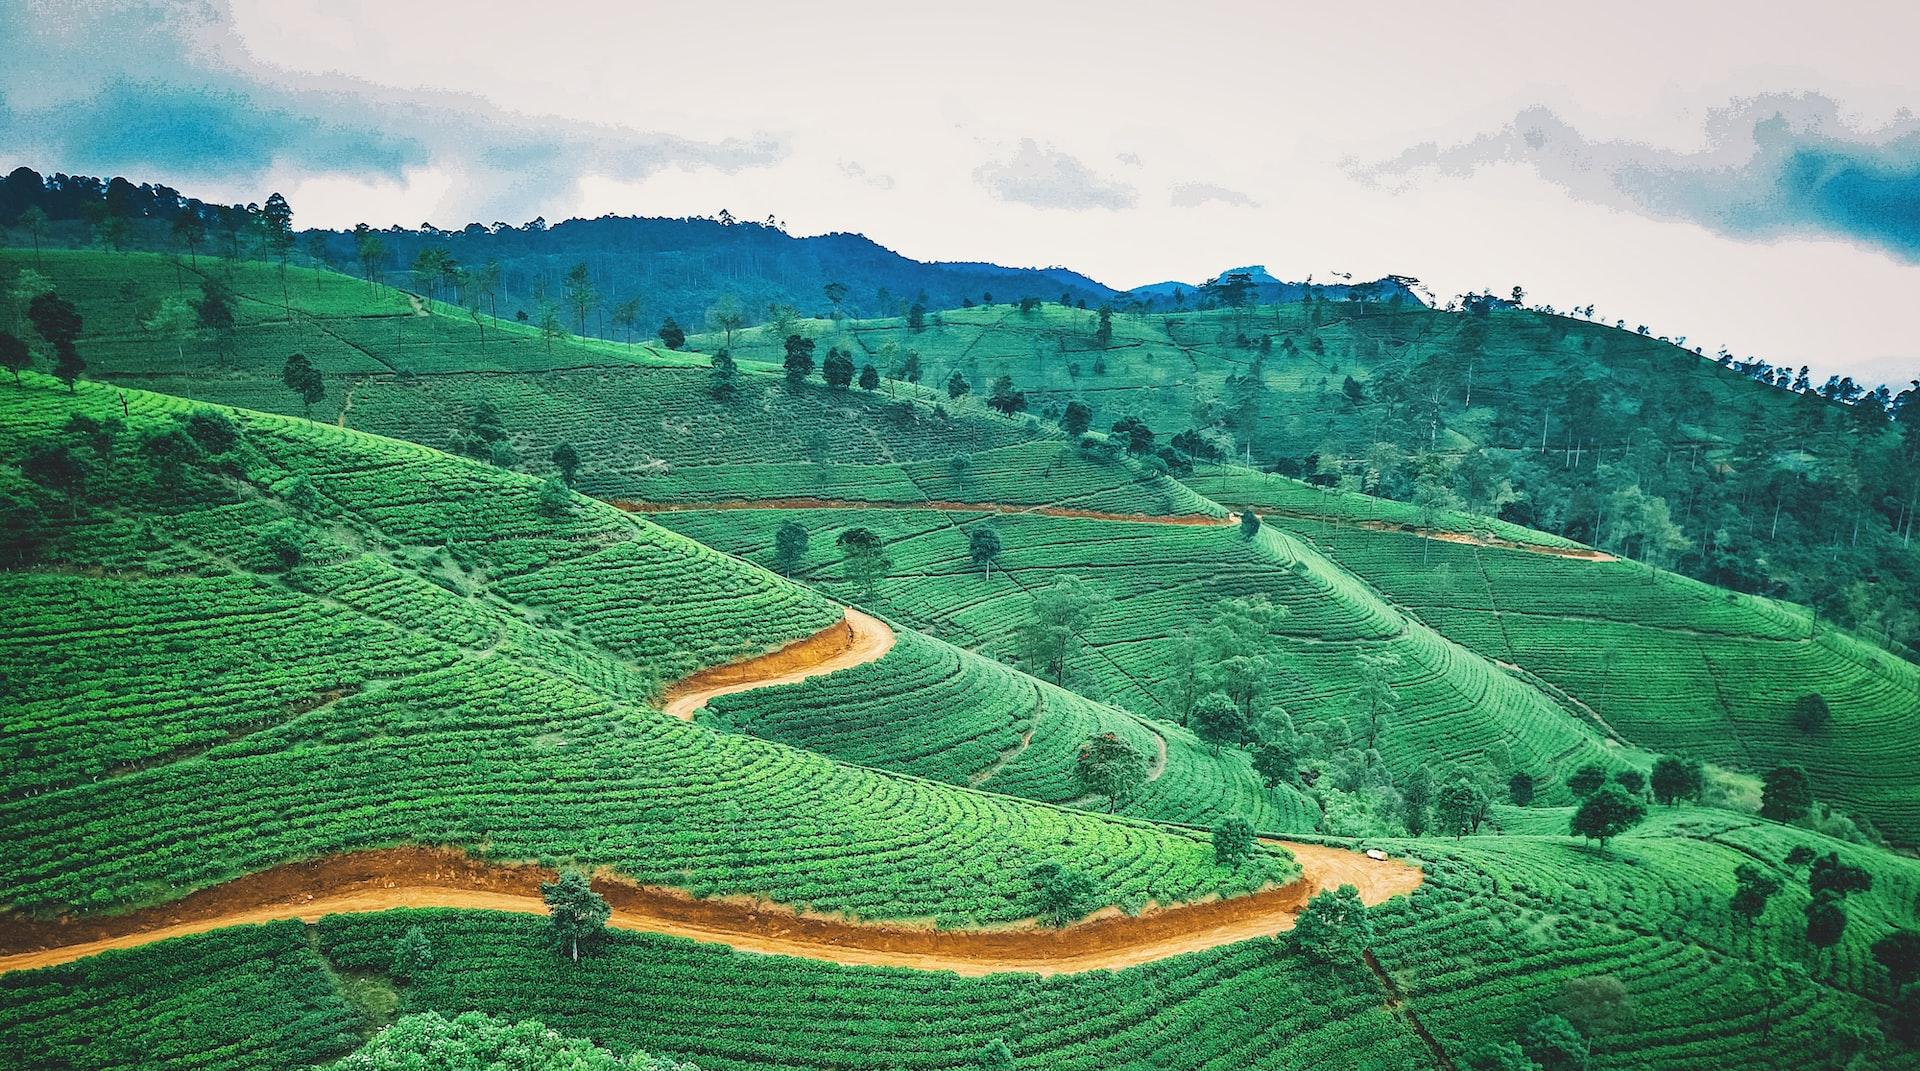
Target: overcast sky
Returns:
[1749, 179]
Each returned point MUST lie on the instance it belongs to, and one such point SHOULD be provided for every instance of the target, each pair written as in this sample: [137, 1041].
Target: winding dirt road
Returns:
[416, 877]
[853, 641]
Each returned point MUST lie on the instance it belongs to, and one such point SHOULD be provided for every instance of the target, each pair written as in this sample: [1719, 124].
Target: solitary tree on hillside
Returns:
[724, 373]
[1520, 789]
[304, 380]
[1004, 399]
[671, 334]
[14, 355]
[1676, 779]
[1076, 419]
[174, 319]
[1334, 928]
[577, 915]
[789, 547]
[1061, 614]
[1233, 841]
[626, 315]
[1587, 780]
[34, 221]
[1555, 1045]
[59, 323]
[726, 317]
[869, 378]
[1110, 766]
[1786, 795]
[1249, 523]
[865, 556]
[581, 294]
[412, 956]
[799, 360]
[1064, 895]
[837, 369]
[1277, 763]
[276, 220]
[1752, 888]
[1811, 714]
[983, 546]
[1899, 953]
[1459, 807]
[567, 460]
[1606, 814]
[1218, 720]
[957, 385]
[1826, 921]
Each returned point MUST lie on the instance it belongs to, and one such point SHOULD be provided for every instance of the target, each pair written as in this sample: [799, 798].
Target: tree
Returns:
[865, 557]
[1064, 895]
[1676, 779]
[1811, 714]
[789, 547]
[1752, 888]
[1108, 765]
[983, 546]
[14, 355]
[726, 317]
[1899, 953]
[1334, 928]
[567, 460]
[1632, 780]
[304, 380]
[412, 956]
[1826, 921]
[994, 1056]
[1416, 799]
[625, 315]
[1459, 806]
[1233, 841]
[837, 369]
[1354, 391]
[1004, 400]
[1833, 878]
[59, 323]
[957, 386]
[1555, 1044]
[371, 250]
[284, 542]
[1587, 780]
[1595, 1003]
[1786, 795]
[55, 468]
[577, 915]
[1249, 523]
[581, 294]
[34, 220]
[799, 360]
[1606, 814]
[174, 319]
[276, 221]
[836, 294]
[555, 499]
[1061, 613]
[721, 378]
[1076, 419]
[1218, 720]
[1276, 762]
[1500, 1056]
[869, 378]
[1134, 434]
[671, 334]
[1520, 789]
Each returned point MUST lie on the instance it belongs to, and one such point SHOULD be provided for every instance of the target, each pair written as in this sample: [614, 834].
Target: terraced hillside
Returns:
[643, 419]
[1482, 949]
[201, 720]
[1670, 664]
[1161, 586]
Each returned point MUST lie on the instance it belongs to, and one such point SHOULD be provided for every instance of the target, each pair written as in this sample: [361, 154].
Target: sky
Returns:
[1747, 178]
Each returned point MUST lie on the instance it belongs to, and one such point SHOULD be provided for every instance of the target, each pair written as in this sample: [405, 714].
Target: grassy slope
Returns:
[1671, 664]
[1479, 952]
[1164, 581]
[641, 417]
[449, 665]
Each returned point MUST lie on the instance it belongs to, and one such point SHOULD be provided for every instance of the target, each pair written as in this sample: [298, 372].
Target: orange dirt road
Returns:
[856, 640]
[416, 877]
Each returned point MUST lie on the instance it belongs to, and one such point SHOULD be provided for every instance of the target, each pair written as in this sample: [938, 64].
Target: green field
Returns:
[238, 638]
